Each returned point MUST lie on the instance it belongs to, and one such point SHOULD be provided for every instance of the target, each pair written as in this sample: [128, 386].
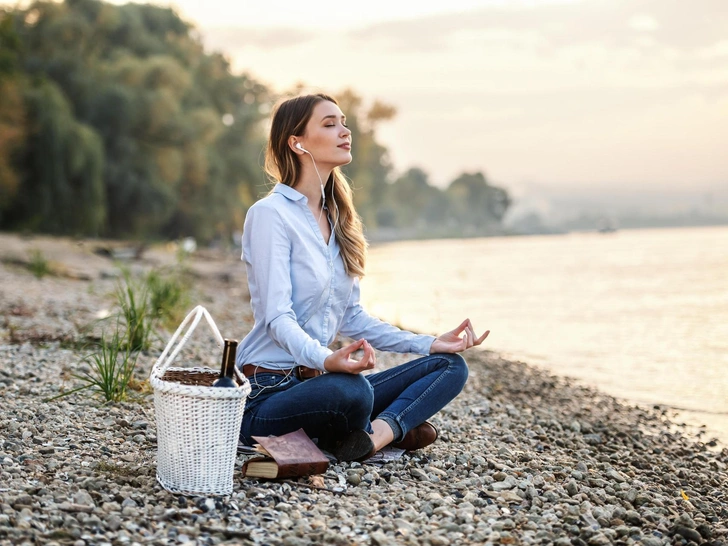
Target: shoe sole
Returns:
[356, 446]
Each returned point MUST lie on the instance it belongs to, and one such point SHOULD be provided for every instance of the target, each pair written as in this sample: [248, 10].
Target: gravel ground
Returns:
[524, 457]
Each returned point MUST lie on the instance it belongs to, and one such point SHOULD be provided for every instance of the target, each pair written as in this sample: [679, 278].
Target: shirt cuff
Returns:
[321, 354]
[421, 344]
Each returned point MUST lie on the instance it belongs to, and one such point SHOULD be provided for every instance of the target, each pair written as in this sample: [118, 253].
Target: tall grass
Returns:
[143, 304]
[111, 368]
[132, 297]
[168, 297]
[38, 265]
[155, 299]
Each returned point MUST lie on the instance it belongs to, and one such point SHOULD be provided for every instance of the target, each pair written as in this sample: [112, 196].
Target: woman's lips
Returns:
[345, 146]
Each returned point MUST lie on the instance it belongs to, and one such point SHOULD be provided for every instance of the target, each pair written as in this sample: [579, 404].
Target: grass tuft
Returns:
[132, 297]
[112, 368]
[38, 265]
[168, 297]
[111, 371]
[143, 304]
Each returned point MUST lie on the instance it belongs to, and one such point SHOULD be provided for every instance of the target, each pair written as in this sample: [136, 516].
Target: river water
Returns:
[639, 314]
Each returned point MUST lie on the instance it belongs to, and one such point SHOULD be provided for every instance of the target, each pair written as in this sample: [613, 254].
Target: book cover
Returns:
[287, 456]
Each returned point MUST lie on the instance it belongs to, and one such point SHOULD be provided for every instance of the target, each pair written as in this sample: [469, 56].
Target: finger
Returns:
[471, 330]
[460, 328]
[372, 355]
[353, 347]
[366, 362]
[481, 339]
[363, 362]
[468, 338]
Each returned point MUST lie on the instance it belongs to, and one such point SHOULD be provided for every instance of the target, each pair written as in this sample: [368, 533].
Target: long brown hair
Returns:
[282, 165]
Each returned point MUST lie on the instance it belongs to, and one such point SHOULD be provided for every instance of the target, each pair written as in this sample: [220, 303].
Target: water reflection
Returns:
[641, 314]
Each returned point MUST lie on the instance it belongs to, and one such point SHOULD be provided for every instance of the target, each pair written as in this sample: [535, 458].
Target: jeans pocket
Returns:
[269, 383]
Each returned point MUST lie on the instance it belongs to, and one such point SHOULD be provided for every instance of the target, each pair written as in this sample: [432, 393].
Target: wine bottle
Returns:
[227, 369]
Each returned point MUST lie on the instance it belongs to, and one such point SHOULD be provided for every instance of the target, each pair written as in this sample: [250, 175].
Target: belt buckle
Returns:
[304, 372]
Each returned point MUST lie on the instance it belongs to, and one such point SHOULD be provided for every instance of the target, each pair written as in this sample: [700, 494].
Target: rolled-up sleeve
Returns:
[357, 323]
[267, 253]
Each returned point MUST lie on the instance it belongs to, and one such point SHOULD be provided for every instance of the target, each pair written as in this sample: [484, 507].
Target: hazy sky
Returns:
[558, 94]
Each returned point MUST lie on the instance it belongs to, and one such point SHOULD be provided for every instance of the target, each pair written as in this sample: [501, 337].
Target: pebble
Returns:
[419, 474]
[524, 457]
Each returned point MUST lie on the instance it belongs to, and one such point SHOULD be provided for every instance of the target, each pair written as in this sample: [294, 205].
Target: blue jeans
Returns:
[332, 404]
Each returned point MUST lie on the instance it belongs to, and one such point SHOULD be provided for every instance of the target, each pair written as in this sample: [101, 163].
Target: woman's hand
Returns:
[451, 342]
[340, 362]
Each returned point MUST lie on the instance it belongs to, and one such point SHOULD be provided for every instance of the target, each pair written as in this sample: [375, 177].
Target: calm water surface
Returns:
[640, 314]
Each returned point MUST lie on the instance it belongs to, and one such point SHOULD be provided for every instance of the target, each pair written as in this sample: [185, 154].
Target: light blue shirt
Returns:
[300, 293]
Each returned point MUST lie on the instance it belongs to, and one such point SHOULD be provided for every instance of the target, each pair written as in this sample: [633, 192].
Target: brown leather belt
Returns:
[301, 372]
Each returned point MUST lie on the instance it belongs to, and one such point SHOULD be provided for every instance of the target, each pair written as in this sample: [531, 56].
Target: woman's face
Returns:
[326, 136]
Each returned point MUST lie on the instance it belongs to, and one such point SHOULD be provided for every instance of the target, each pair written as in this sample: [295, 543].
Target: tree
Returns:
[136, 131]
[371, 167]
[13, 126]
[477, 204]
[62, 186]
[416, 202]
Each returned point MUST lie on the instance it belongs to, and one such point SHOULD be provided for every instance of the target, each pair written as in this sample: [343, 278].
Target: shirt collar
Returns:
[289, 192]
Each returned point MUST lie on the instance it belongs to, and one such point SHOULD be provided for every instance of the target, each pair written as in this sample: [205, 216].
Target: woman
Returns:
[304, 251]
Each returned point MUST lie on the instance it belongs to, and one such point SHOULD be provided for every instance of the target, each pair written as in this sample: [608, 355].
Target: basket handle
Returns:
[194, 316]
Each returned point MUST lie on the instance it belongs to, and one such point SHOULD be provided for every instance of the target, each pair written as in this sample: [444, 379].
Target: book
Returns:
[287, 456]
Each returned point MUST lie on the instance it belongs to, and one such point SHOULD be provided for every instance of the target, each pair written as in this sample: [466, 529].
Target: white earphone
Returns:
[323, 193]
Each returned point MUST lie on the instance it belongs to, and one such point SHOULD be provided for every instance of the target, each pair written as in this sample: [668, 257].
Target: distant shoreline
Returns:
[390, 236]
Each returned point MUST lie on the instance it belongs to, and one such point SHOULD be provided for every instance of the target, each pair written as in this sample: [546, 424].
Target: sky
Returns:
[570, 96]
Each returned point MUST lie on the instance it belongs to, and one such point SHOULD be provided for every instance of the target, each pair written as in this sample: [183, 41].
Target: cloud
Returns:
[567, 94]
[235, 38]
[696, 24]
[643, 22]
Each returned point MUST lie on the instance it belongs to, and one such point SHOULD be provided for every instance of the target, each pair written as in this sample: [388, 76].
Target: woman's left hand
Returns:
[451, 342]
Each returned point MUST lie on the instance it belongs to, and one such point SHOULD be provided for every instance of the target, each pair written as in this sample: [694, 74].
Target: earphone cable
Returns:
[323, 193]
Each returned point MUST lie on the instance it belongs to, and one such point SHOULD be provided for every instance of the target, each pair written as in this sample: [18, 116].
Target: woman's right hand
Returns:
[340, 361]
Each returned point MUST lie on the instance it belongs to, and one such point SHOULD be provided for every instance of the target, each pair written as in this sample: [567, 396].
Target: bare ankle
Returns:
[382, 434]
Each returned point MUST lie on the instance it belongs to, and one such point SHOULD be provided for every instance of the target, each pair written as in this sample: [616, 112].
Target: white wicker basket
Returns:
[197, 425]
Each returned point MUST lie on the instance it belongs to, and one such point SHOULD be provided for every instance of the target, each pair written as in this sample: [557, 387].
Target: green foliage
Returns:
[13, 126]
[133, 300]
[9, 44]
[126, 115]
[168, 297]
[152, 300]
[370, 168]
[112, 367]
[476, 203]
[469, 206]
[410, 205]
[114, 121]
[143, 303]
[38, 264]
[63, 187]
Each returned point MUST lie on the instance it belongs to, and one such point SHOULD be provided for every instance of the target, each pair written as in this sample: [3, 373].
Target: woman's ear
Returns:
[295, 145]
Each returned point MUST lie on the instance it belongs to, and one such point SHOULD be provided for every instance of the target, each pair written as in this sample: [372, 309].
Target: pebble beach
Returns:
[524, 457]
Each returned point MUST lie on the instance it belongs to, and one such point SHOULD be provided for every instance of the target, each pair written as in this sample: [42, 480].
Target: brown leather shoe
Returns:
[417, 438]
